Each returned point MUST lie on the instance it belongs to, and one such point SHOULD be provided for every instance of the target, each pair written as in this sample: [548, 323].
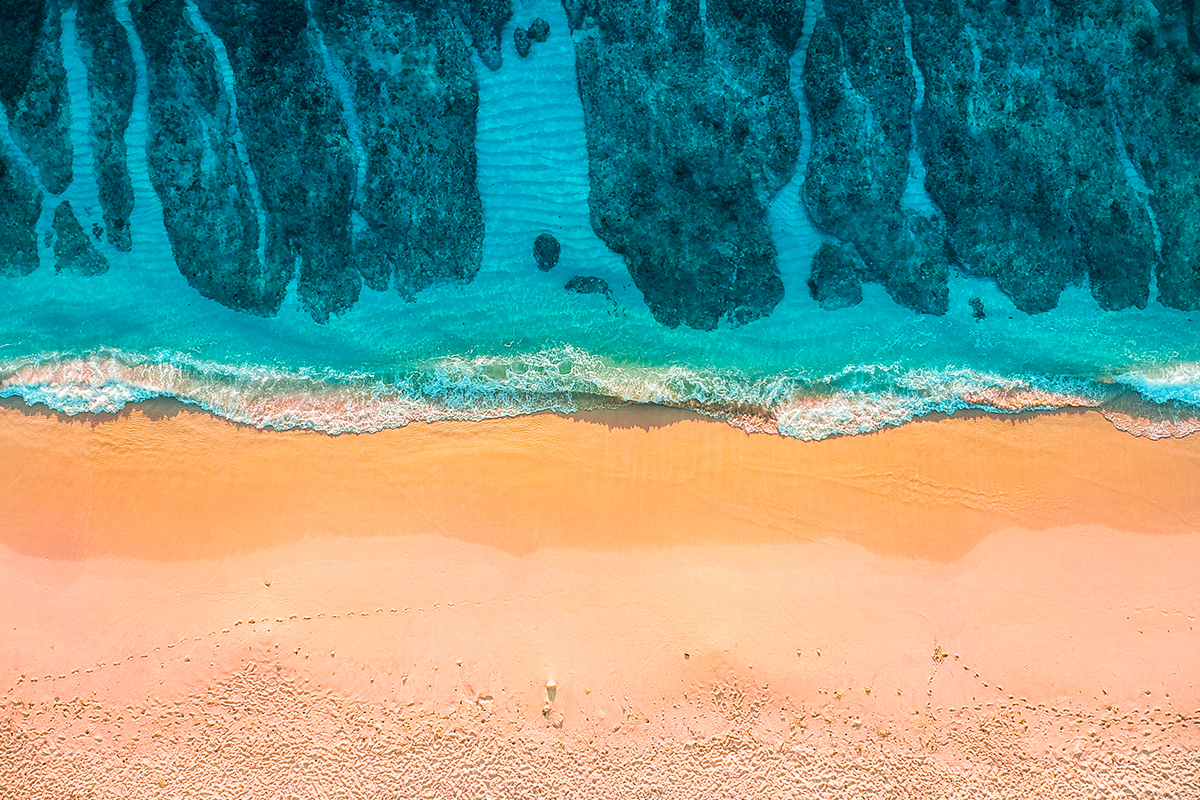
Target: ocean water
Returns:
[512, 341]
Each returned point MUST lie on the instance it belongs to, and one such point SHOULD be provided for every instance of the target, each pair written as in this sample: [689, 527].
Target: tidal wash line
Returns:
[328, 144]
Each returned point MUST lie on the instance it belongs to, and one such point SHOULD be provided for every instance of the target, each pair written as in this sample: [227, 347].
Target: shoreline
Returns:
[635, 589]
[1127, 413]
[173, 482]
[108, 385]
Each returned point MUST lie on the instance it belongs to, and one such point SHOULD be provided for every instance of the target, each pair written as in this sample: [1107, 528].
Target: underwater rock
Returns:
[38, 113]
[72, 250]
[1157, 103]
[20, 24]
[20, 201]
[421, 218]
[691, 130]
[332, 143]
[297, 144]
[20, 205]
[860, 92]
[545, 251]
[210, 196]
[105, 53]
[834, 281]
[539, 30]
[284, 145]
[484, 19]
[586, 284]
[1017, 135]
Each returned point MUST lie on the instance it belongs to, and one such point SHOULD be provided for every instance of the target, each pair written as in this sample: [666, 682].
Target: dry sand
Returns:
[623, 605]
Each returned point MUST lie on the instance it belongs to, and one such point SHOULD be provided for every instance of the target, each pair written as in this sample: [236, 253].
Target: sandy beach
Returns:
[619, 605]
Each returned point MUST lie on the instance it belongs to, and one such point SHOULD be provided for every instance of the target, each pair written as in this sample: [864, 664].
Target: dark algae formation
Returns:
[418, 219]
[72, 250]
[539, 30]
[31, 87]
[521, 42]
[587, 284]
[327, 147]
[105, 54]
[39, 115]
[19, 208]
[691, 130]
[210, 195]
[297, 145]
[330, 142]
[545, 251]
[1157, 103]
[366, 175]
[836, 278]
[860, 92]
[1040, 124]
[1019, 134]
[523, 38]
[483, 18]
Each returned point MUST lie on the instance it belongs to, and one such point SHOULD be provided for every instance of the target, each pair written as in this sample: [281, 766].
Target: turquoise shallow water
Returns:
[512, 341]
[491, 348]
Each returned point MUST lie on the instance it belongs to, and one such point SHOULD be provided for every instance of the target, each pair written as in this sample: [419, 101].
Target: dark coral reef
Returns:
[692, 128]
[330, 145]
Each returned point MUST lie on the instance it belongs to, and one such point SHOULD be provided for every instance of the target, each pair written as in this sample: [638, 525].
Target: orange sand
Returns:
[949, 608]
[192, 486]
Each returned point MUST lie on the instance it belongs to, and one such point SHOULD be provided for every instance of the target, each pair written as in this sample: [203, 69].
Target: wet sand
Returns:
[611, 605]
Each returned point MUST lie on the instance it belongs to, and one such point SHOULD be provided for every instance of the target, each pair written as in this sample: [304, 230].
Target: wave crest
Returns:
[568, 379]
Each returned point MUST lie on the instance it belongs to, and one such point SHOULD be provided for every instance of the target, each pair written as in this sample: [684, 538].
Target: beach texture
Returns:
[599, 399]
[623, 605]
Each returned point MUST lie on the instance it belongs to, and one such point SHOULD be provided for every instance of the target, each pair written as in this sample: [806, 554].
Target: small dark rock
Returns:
[545, 252]
[586, 284]
[521, 41]
[977, 308]
[539, 29]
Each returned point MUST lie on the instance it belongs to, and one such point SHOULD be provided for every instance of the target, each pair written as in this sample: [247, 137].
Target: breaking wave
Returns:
[568, 379]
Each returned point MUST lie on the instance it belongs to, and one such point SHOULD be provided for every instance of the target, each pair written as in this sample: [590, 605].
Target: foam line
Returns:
[228, 83]
[563, 379]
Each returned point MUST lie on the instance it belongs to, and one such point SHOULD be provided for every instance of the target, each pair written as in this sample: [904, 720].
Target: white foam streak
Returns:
[564, 379]
[1178, 383]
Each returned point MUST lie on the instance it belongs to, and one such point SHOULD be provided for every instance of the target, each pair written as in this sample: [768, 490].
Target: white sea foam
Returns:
[1179, 383]
[564, 379]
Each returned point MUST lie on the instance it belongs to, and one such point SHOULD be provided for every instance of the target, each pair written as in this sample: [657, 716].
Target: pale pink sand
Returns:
[954, 609]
